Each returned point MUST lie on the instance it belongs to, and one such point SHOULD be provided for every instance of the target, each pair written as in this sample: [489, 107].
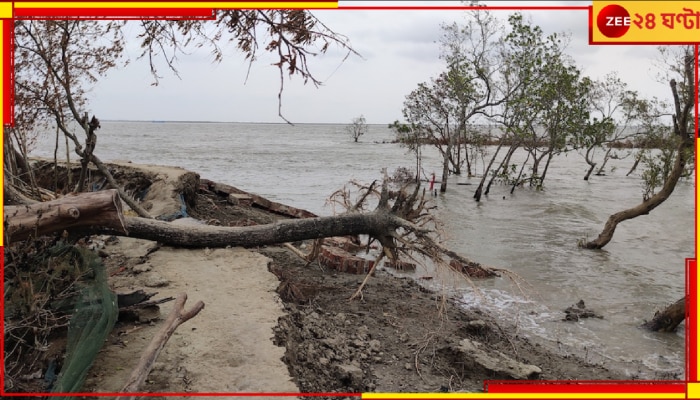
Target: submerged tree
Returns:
[681, 139]
[413, 139]
[557, 102]
[430, 115]
[443, 108]
[668, 319]
[472, 52]
[618, 116]
[357, 127]
[544, 103]
[521, 54]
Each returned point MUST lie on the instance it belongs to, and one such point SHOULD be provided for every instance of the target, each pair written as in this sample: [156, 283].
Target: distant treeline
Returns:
[485, 136]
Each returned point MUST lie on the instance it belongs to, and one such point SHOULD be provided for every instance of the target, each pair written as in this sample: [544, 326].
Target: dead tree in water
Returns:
[668, 319]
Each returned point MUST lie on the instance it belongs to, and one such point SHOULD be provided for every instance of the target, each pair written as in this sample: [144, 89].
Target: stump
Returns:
[342, 261]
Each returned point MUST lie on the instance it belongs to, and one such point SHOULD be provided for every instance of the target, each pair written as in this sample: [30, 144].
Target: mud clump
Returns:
[315, 338]
[579, 311]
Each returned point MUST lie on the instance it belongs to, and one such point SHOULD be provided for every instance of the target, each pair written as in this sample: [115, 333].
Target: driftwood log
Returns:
[176, 318]
[668, 319]
[90, 211]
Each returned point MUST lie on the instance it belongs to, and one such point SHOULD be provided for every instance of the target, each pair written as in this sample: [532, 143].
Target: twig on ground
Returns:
[177, 317]
[358, 292]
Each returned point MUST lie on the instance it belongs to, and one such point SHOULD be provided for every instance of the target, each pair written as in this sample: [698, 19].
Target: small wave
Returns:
[669, 363]
[493, 299]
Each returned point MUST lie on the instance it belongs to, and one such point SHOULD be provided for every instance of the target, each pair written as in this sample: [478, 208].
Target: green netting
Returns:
[95, 313]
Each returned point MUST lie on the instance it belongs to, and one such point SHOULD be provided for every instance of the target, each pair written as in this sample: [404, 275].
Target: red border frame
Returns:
[8, 78]
[114, 13]
[691, 323]
[504, 387]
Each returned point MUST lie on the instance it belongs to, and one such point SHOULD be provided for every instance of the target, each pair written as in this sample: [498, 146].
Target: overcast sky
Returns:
[399, 50]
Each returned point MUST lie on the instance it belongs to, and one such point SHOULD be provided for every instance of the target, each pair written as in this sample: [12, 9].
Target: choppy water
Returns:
[533, 234]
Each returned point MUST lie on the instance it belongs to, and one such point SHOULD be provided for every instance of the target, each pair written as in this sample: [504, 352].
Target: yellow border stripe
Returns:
[203, 4]
[693, 390]
[5, 9]
[378, 396]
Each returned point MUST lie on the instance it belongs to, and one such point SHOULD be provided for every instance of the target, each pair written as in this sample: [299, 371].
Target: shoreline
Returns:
[397, 350]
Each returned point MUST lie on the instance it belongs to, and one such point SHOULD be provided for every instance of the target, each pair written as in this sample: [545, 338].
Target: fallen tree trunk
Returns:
[91, 211]
[100, 213]
[668, 319]
[291, 230]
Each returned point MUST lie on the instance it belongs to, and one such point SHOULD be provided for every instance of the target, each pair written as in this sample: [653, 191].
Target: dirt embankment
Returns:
[274, 324]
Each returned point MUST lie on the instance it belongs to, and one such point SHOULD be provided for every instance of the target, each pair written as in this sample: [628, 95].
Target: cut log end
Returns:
[71, 212]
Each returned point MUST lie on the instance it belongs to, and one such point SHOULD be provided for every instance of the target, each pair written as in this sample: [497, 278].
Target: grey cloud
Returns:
[399, 51]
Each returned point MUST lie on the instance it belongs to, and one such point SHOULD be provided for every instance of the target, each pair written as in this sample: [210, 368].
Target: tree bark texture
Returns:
[590, 171]
[606, 158]
[478, 192]
[637, 159]
[89, 211]
[100, 213]
[377, 223]
[445, 168]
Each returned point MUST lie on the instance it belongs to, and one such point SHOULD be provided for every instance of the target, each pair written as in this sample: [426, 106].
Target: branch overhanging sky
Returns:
[399, 50]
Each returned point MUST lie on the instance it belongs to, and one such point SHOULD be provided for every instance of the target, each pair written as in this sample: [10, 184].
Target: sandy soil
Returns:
[227, 347]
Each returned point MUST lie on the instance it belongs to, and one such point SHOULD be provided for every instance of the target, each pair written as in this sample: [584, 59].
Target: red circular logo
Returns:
[613, 21]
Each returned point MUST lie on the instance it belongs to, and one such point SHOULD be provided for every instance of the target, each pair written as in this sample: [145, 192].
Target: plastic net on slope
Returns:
[95, 313]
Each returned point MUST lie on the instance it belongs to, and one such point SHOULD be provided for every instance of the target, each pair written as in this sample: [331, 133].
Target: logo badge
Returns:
[613, 21]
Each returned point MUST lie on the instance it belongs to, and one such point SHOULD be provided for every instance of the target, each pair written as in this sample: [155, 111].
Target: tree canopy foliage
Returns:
[523, 82]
